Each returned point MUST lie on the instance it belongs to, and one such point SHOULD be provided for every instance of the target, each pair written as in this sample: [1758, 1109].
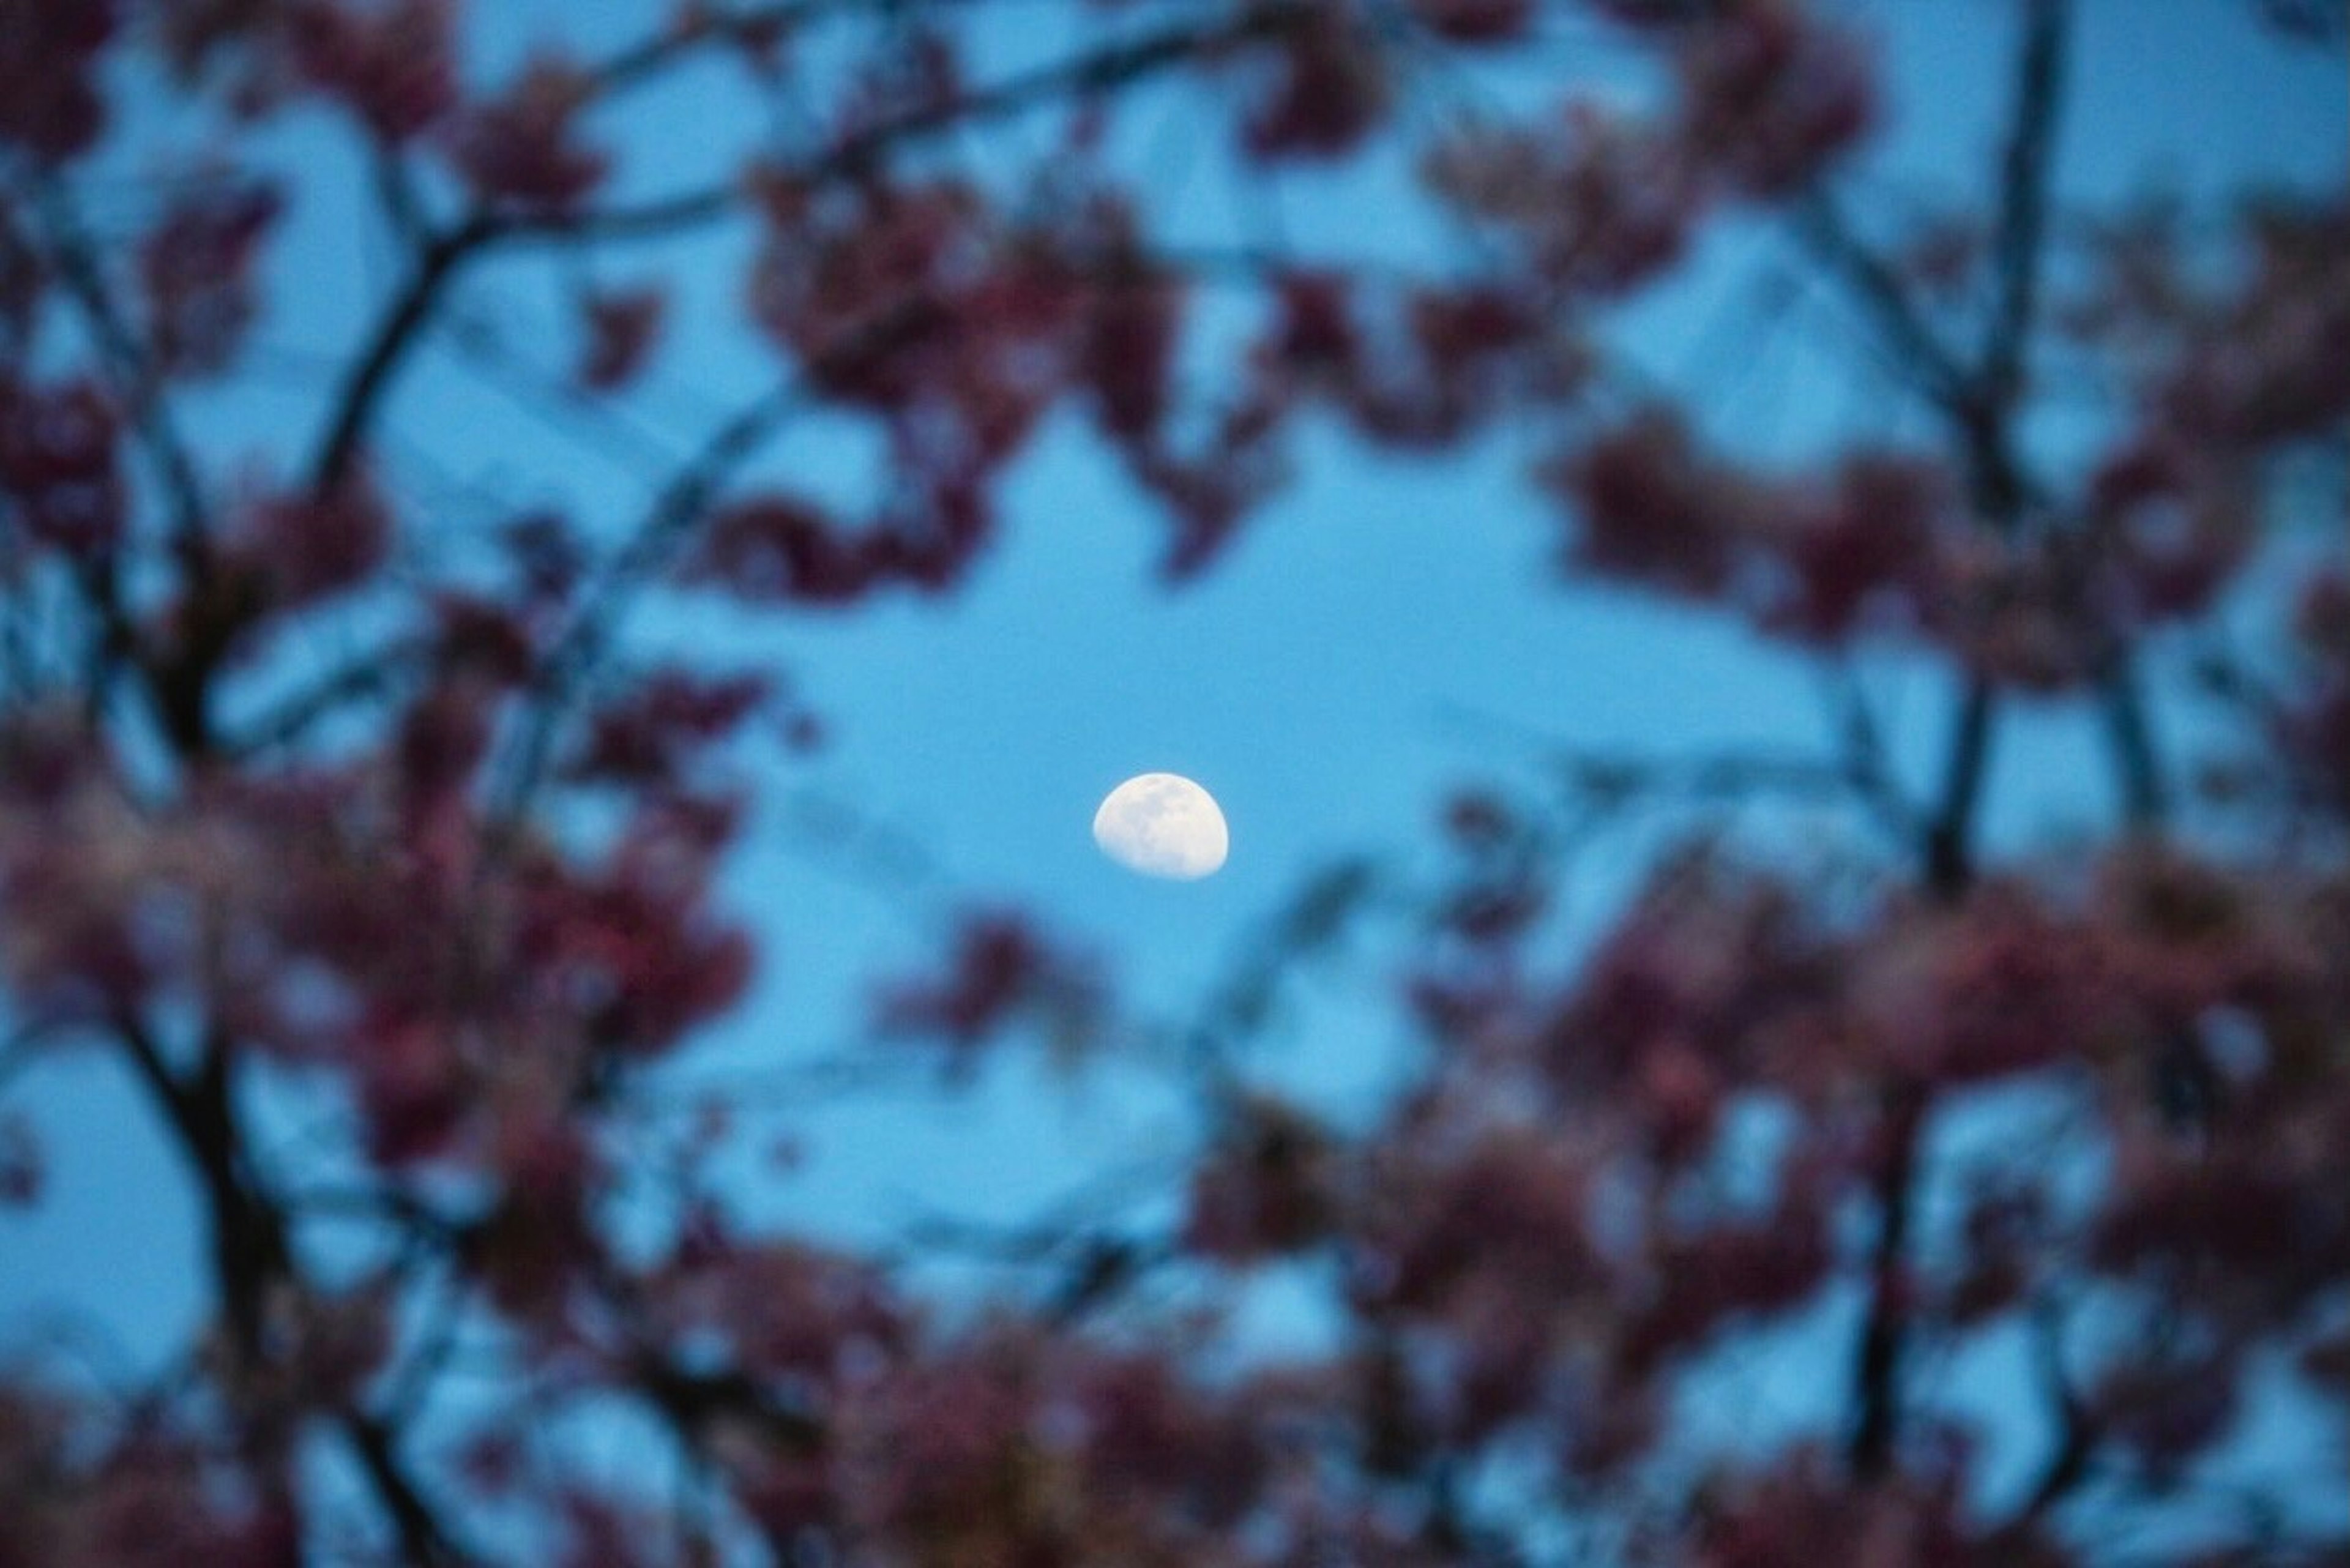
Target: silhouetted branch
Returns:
[137, 379]
[2076, 1438]
[1615, 783]
[1865, 766]
[423, 1539]
[441, 258]
[1876, 1370]
[22, 1047]
[396, 193]
[679, 504]
[1833, 244]
[251, 1258]
[1948, 841]
[2129, 733]
[1981, 415]
[2024, 199]
[640, 62]
[1113, 66]
[370, 374]
[369, 675]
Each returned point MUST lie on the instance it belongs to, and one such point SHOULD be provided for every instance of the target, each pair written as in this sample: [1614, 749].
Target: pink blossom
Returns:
[2016, 612]
[196, 267]
[1466, 336]
[782, 1309]
[782, 549]
[1599, 205]
[1001, 970]
[519, 149]
[649, 735]
[22, 1168]
[2001, 985]
[1508, 1206]
[1769, 95]
[392, 62]
[620, 328]
[2166, 1414]
[1327, 89]
[58, 462]
[1650, 510]
[1477, 22]
[307, 546]
[1128, 353]
[2268, 367]
[48, 49]
[1866, 553]
[1267, 1189]
[1800, 1508]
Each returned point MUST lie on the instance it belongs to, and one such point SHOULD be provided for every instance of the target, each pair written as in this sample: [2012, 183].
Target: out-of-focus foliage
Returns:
[462, 889]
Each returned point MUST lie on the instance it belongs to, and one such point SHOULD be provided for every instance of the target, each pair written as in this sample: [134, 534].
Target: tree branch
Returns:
[680, 503]
[137, 380]
[422, 1538]
[2129, 733]
[1113, 66]
[1948, 841]
[2068, 1463]
[441, 258]
[370, 375]
[248, 1235]
[640, 62]
[1980, 413]
[251, 1258]
[1876, 1370]
[288, 721]
[1865, 765]
[2024, 206]
[1884, 300]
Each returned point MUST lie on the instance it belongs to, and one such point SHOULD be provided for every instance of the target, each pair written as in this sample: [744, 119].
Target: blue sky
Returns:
[1313, 681]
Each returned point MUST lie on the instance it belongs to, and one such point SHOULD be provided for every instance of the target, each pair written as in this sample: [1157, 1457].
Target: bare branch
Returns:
[1865, 763]
[1949, 842]
[2129, 733]
[2077, 1436]
[372, 373]
[366, 675]
[423, 1539]
[1877, 1369]
[1882, 296]
[2024, 199]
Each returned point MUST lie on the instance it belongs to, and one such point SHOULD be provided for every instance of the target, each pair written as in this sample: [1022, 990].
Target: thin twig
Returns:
[2129, 733]
[424, 1538]
[442, 259]
[2068, 1463]
[369, 675]
[372, 373]
[137, 379]
[1833, 244]
[1112, 66]
[682, 502]
[2024, 206]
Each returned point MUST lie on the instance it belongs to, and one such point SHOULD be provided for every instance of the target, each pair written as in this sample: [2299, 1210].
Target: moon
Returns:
[1162, 825]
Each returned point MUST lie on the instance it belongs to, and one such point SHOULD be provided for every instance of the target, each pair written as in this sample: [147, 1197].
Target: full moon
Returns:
[1162, 825]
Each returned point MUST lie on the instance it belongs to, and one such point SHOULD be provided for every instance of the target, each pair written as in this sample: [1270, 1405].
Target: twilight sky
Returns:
[1384, 631]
